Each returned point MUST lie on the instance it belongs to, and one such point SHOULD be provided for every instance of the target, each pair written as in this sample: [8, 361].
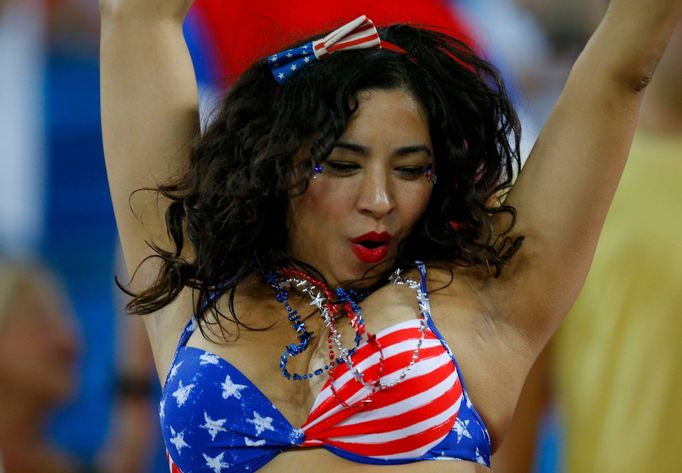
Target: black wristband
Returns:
[133, 387]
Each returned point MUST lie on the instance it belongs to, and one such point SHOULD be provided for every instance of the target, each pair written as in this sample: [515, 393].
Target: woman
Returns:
[33, 382]
[312, 186]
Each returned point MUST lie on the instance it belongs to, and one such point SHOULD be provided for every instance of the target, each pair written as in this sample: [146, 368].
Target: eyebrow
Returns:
[402, 151]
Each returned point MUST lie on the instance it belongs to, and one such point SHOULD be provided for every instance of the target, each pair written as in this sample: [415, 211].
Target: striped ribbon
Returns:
[357, 34]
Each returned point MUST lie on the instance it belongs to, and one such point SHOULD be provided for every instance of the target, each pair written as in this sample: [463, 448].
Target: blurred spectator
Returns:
[614, 366]
[39, 345]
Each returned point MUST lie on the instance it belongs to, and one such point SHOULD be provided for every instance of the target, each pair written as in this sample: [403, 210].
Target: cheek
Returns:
[317, 208]
[415, 202]
[323, 200]
[21, 366]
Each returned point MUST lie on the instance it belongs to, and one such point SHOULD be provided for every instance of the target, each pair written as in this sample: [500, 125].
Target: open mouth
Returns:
[370, 244]
[371, 247]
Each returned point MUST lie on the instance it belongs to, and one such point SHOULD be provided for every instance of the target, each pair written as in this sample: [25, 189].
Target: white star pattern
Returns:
[306, 59]
[208, 359]
[281, 76]
[479, 458]
[162, 405]
[232, 389]
[174, 370]
[295, 436]
[178, 440]
[261, 423]
[293, 67]
[290, 55]
[469, 404]
[442, 456]
[250, 443]
[216, 463]
[273, 57]
[461, 429]
[214, 426]
[182, 393]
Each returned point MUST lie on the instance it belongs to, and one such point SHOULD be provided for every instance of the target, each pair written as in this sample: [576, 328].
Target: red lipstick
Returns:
[371, 247]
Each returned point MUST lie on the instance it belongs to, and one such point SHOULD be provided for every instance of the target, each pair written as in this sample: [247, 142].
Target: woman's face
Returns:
[39, 346]
[374, 187]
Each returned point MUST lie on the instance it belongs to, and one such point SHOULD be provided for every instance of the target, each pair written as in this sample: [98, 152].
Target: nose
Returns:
[375, 196]
[65, 336]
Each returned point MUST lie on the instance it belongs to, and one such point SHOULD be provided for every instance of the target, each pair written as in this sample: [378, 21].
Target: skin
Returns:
[661, 116]
[496, 327]
[373, 181]
[45, 373]
[33, 381]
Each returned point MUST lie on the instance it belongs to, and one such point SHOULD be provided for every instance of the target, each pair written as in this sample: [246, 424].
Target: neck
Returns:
[21, 422]
[23, 444]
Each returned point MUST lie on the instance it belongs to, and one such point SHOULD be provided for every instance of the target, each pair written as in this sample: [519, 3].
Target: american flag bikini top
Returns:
[215, 420]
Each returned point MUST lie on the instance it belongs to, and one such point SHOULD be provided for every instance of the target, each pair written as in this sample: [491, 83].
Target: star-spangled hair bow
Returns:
[357, 34]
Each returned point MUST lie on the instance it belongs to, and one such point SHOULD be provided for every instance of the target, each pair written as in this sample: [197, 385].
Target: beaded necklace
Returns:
[297, 324]
[321, 297]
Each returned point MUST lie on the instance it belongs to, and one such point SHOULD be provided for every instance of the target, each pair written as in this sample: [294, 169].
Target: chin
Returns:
[366, 274]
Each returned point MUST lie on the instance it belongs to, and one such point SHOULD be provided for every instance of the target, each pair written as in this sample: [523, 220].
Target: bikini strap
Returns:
[193, 323]
[190, 327]
[187, 332]
[422, 271]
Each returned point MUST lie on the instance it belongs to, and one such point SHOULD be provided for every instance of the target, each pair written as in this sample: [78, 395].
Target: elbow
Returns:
[630, 78]
[637, 82]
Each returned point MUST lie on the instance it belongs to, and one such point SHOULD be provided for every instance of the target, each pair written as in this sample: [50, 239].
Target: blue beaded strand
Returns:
[299, 327]
[351, 296]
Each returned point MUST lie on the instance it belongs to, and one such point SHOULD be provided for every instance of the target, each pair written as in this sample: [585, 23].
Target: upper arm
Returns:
[149, 118]
[564, 191]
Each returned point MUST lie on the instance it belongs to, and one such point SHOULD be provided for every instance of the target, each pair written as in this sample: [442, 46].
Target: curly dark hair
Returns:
[231, 205]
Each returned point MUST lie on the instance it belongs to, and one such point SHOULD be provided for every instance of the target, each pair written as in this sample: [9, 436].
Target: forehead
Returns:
[393, 114]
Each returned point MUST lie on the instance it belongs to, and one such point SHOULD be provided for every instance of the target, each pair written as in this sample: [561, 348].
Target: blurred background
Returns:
[54, 200]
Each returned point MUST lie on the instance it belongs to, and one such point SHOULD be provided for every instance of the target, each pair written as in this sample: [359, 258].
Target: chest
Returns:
[257, 356]
[273, 358]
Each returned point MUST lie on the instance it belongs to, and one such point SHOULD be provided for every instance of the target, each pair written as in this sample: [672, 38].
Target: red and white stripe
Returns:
[358, 34]
[404, 421]
[172, 467]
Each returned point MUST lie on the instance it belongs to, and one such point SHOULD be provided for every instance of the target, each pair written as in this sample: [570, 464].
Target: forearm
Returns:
[631, 39]
[149, 106]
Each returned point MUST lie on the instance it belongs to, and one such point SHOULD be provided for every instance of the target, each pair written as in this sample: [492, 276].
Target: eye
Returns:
[412, 172]
[341, 167]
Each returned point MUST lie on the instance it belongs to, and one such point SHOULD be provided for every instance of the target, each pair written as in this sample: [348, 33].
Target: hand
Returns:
[145, 9]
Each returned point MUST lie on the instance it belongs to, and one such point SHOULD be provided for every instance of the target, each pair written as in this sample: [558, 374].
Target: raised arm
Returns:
[565, 188]
[149, 115]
